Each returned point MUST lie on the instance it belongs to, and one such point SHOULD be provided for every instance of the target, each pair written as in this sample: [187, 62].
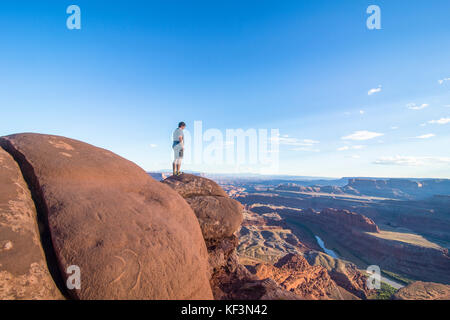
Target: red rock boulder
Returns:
[131, 236]
[219, 216]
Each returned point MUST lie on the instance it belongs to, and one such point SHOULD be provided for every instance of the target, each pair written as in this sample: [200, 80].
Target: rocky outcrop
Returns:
[295, 274]
[220, 217]
[242, 285]
[189, 185]
[225, 221]
[345, 274]
[341, 220]
[423, 291]
[266, 237]
[23, 268]
[131, 236]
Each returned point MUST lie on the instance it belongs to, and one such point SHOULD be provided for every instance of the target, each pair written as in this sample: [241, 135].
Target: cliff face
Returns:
[341, 220]
[361, 235]
[384, 188]
[399, 188]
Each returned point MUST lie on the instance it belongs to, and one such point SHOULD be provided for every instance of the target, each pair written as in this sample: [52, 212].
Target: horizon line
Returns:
[297, 176]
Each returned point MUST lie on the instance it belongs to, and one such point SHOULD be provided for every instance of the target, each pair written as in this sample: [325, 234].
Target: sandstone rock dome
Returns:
[131, 236]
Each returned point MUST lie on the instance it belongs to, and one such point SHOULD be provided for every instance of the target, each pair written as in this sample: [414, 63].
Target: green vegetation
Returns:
[385, 293]
[396, 277]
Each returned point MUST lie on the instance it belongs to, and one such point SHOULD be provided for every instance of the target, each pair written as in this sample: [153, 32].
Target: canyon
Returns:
[400, 225]
[361, 221]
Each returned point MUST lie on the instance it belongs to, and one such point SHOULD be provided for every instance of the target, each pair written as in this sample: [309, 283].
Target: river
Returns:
[333, 254]
[327, 251]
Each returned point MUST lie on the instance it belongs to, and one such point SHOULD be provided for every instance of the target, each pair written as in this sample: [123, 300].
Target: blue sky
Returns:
[136, 68]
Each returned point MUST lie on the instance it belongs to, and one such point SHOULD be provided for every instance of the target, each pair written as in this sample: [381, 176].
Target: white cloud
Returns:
[344, 148]
[307, 149]
[426, 136]
[309, 141]
[361, 112]
[423, 124]
[394, 128]
[289, 141]
[152, 145]
[443, 80]
[414, 106]
[362, 135]
[440, 121]
[374, 90]
[412, 161]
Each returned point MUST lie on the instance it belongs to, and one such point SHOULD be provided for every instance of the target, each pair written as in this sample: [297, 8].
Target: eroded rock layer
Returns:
[424, 291]
[23, 268]
[295, 274]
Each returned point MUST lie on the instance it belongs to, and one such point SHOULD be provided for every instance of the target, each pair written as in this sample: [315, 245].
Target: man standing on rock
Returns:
[178, 148]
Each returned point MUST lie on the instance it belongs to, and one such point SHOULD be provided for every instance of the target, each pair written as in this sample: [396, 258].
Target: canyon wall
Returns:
[358, 233]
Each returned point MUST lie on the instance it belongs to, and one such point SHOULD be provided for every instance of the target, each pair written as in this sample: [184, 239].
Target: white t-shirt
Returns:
[177, 133]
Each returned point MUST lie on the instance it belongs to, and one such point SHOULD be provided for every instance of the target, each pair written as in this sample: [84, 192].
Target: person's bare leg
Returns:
[178, 167]
[174, 171]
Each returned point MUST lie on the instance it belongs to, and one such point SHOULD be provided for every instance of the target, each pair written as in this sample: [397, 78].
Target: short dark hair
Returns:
[181, 124]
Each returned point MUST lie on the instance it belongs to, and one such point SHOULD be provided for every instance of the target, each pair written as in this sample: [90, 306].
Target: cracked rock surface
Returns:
[131, 236]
